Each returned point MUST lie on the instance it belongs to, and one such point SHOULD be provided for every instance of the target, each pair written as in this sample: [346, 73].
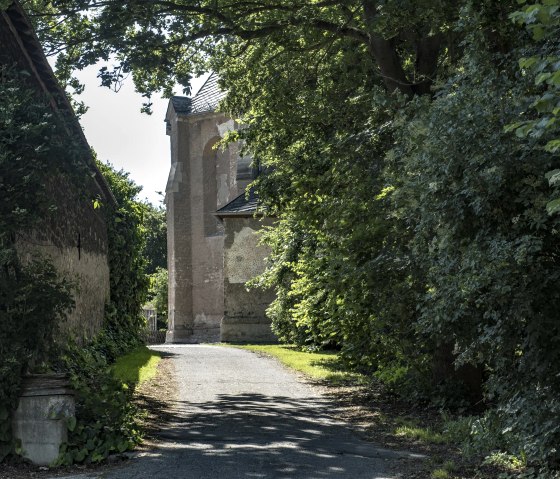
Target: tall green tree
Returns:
[127, 263]
[155, 231]
[411, 221]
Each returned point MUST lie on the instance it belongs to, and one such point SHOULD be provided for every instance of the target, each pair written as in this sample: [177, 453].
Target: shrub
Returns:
[105, 419]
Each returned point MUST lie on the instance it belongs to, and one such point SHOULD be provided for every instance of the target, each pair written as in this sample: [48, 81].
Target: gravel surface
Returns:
[240, 415]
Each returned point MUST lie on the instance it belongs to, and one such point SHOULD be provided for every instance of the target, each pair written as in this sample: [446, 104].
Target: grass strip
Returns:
[137, 366]
[324, 365]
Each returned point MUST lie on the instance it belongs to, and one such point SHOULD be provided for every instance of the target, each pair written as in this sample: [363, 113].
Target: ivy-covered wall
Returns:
[65, 228]
[74, 239]
[54, 273]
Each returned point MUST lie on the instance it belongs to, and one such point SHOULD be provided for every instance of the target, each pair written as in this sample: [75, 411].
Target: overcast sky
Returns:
[130, 140]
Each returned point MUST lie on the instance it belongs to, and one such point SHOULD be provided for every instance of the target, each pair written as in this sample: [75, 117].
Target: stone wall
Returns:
[244, 258]
[202, 179]
[74, 235]
[74, 238]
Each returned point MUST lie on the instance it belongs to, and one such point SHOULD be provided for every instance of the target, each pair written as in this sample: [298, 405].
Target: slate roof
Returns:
[242, 206]
[181, 104]
[206, 99]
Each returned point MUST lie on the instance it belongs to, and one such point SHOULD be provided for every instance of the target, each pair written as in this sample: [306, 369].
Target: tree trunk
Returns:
[385, 54]
[444, 371]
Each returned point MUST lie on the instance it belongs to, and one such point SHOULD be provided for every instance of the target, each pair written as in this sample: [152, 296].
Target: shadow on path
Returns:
[258, 436]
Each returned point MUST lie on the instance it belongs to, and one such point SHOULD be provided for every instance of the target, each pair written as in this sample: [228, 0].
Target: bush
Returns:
[33, 296]
[157, 295]
[105, 419]
[128, 282]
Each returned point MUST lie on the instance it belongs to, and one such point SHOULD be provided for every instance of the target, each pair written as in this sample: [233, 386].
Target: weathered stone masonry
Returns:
[74, 238]
[244, 310]
[203, 180]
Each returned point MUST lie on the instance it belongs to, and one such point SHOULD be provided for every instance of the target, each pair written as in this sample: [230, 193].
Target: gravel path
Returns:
[241, 415]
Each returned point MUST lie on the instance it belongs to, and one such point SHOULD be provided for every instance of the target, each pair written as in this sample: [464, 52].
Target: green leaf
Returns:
[538, 32]
[553, 146]
[528, 62]
[553, 207]
[71, 423]
[4, 413]
[553, 177]
[123, 446]
[542, 77]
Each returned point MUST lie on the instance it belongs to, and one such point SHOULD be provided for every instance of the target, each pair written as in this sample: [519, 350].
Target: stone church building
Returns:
[211, 222]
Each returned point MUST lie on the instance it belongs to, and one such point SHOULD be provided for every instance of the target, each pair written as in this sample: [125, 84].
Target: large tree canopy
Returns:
[162, 42]
[406, 144]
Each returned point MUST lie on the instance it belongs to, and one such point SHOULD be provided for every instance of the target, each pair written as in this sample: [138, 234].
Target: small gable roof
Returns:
[243, 206]
[205, 100]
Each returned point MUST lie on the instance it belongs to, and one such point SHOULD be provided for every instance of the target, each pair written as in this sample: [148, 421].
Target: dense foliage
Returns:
[155, 233]
[33, 298]
[106, 417]
[477, 198]
[128, 282]
[412, 158]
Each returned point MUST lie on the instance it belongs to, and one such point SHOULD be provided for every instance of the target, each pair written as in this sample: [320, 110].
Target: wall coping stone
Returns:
[51, 384]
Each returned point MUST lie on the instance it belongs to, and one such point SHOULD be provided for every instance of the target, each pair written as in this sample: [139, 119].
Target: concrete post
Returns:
[40, 421]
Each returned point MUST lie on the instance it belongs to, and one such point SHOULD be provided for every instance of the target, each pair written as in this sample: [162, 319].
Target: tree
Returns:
[155, 232]
[164, 41]
[410, 220]
[127, 263]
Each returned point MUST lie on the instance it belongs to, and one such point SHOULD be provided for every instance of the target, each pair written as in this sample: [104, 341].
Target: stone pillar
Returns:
[177, 199]
[40, 421]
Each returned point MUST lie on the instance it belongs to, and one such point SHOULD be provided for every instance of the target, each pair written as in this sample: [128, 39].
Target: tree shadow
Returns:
[258, 436]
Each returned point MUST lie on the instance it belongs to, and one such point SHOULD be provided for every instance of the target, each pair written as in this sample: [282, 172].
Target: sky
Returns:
[130, 140]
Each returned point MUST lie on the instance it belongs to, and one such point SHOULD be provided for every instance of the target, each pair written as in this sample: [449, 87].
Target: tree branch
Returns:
[427, 54]
[384, 53]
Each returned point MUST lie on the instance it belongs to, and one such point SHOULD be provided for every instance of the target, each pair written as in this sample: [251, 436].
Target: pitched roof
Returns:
[25, 45]
[181, 104]
[242, 206]
[206, 99]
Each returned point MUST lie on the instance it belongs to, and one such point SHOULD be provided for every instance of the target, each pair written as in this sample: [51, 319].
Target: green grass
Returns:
[444, 472]
[411, 430]
[137, 366]
[440, 474]
[421, 434]
[324, 365]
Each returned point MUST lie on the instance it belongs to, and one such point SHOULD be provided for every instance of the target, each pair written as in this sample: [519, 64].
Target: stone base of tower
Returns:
[180, 336]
